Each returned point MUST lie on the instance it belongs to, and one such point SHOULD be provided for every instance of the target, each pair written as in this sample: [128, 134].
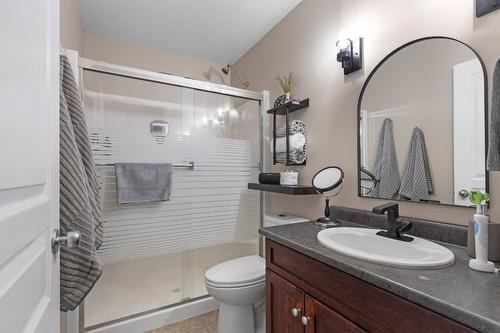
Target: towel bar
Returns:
[189, 165]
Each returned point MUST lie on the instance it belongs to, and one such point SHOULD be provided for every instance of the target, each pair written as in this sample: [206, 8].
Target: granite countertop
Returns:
[457, 292]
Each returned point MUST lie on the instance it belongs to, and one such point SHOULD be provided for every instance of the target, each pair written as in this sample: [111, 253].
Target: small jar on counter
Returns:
[289, 177]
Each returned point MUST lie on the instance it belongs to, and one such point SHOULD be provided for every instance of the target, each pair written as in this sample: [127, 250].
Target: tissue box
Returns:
[493, 241]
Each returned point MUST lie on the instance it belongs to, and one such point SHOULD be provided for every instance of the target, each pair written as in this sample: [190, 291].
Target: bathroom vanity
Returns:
[305, 295]
[310, 288]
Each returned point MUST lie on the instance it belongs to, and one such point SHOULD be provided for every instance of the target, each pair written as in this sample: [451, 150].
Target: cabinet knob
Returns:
[305, 320]
[295, 312]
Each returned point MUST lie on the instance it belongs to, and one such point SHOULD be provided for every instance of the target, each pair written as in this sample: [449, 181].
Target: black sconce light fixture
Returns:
[350, 54]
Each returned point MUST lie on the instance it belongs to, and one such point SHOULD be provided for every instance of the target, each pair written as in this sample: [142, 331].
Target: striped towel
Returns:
[385, 168]
[80, 202]
[416, 183]
[493, 163]
[297, 156]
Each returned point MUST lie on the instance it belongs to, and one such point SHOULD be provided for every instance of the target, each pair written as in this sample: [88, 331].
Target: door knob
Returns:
[305, 320]
[70, 239]
[462, 194]
[295, 312]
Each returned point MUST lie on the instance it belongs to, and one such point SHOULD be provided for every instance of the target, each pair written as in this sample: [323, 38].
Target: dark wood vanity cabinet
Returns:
[282, 299]
[291, 310]
[307, 296]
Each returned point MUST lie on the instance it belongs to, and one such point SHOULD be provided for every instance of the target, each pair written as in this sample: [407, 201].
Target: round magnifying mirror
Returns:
[328, 183]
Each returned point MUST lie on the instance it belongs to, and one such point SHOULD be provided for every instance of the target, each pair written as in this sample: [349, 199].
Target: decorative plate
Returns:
[280, 100]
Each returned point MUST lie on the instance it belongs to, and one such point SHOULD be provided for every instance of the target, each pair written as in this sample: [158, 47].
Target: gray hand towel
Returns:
[493, 163]
[143, 182]
[80, 201]
[416, 183]
[385, 168]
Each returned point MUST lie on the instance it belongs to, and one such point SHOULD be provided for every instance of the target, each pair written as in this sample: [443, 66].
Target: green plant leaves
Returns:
[477, 197]
[285, 82]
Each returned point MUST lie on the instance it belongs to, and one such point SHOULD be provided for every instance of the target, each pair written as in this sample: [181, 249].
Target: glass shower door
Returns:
[226, 215]
[145, 266]
[155, 254]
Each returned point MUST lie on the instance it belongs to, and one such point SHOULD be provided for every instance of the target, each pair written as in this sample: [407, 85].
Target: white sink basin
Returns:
[364, 244]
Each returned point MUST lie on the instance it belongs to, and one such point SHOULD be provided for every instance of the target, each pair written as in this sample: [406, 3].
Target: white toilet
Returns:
[239, 286]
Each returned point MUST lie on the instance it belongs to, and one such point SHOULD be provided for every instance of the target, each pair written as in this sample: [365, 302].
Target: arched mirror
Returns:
[422, 124]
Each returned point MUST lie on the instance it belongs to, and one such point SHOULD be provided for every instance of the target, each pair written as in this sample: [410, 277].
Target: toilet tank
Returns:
[274, 219]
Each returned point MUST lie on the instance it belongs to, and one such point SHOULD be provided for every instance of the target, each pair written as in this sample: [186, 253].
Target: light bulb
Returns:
[343, 44]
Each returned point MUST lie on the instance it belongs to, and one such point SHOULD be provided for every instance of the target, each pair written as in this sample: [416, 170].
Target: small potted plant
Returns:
[286, 83]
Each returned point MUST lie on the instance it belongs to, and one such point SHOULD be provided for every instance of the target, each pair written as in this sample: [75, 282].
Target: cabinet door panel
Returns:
[322, 319]
[281, 298]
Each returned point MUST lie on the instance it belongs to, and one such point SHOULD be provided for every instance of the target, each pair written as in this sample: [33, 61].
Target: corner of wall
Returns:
[71, 27]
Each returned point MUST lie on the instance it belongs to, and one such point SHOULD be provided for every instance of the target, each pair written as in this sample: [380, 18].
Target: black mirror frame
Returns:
[335, 185]
[360, 100]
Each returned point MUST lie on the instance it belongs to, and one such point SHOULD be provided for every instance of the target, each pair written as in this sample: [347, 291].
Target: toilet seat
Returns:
[237, 273]
[235, 285]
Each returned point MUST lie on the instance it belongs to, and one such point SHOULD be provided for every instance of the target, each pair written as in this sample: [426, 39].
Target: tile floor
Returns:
[205, 323]
[124, 289]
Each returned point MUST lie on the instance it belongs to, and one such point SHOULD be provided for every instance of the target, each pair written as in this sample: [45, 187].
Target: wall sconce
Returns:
[220, 119]
[350, 54]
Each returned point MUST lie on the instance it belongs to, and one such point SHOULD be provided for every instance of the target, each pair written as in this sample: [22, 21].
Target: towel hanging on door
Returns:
[80, 202]
[416, 183]
[385, 168]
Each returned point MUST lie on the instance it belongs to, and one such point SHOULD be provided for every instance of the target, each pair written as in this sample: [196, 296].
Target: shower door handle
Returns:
[70, 240]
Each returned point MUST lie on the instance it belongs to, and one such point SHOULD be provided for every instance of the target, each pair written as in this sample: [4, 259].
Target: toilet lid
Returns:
[239, 271]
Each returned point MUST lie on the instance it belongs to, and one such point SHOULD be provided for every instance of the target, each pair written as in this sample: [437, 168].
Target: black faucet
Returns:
[395, 229]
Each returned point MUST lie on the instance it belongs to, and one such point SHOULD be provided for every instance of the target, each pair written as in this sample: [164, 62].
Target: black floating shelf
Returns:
[292, 107]
[291, 190]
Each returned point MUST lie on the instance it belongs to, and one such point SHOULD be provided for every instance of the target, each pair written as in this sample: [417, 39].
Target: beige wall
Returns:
[71, 29]
[127, 54]
[122, 53]
[304, 42]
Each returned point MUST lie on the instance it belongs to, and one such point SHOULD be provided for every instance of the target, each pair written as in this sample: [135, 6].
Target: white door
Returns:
[468, 129]
[29, 131]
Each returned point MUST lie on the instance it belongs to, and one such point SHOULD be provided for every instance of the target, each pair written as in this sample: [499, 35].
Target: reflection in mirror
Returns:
[328, 182]
[422, 124]
[367, 181]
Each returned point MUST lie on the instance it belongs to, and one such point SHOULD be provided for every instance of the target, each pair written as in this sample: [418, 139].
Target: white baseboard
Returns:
[160, 318]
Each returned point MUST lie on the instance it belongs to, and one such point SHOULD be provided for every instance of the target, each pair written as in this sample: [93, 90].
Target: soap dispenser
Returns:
[480, 229]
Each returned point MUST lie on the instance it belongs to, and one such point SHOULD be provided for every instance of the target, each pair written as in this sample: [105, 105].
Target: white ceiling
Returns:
[219, 31]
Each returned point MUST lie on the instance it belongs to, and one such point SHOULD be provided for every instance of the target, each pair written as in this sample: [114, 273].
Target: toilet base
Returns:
[259, 316]
[236, 318]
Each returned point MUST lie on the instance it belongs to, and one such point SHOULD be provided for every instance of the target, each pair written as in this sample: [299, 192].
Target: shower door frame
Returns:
[134, 73]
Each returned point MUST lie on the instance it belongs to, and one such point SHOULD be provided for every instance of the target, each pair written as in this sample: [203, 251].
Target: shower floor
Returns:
[131, 287]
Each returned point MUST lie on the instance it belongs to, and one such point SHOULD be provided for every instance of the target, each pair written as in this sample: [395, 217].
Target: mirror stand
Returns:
[328, 182]
[327, 221]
